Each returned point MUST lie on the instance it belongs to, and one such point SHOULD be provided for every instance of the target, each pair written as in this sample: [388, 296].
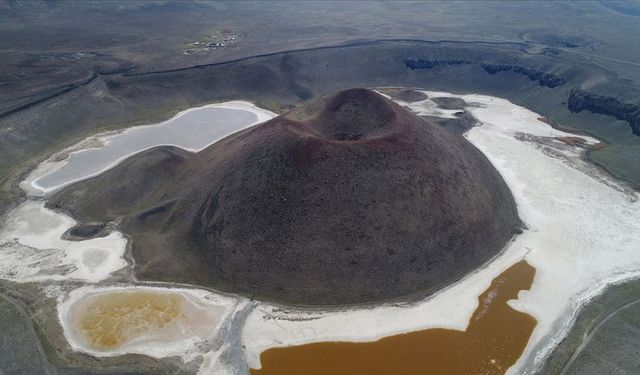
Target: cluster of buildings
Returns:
[212, 43]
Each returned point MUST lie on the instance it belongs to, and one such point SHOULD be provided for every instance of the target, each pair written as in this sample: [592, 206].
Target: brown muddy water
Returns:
[493, 341]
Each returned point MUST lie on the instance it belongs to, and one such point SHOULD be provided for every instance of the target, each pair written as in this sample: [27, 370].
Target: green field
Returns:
[613, 348]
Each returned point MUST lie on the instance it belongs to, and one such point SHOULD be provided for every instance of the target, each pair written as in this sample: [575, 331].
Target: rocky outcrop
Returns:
[414, 63]
[580, 100]
[544, 79]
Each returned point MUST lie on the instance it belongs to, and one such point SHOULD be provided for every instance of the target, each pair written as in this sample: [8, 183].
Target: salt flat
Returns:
[32, 248]
[582, 234]
[583, 229]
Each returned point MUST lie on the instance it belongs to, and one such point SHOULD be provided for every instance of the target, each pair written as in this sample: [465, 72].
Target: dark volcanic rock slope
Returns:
[349, 198]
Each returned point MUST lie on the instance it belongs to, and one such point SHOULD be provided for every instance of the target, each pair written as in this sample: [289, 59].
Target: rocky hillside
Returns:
[348, 198]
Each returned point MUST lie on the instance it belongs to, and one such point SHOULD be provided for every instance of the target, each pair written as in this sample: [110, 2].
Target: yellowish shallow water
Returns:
[111, 320]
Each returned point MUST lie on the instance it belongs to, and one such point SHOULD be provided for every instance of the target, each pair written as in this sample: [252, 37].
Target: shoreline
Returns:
[318, 336]
[101, 140]
[185, 347]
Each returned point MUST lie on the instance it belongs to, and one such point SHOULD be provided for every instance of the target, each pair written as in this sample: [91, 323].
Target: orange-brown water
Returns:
[110, 320]
[494, 339]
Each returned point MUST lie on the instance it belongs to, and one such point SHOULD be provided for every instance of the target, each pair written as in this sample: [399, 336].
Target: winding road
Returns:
[45, 366]
[593, 332]
[131, 71]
